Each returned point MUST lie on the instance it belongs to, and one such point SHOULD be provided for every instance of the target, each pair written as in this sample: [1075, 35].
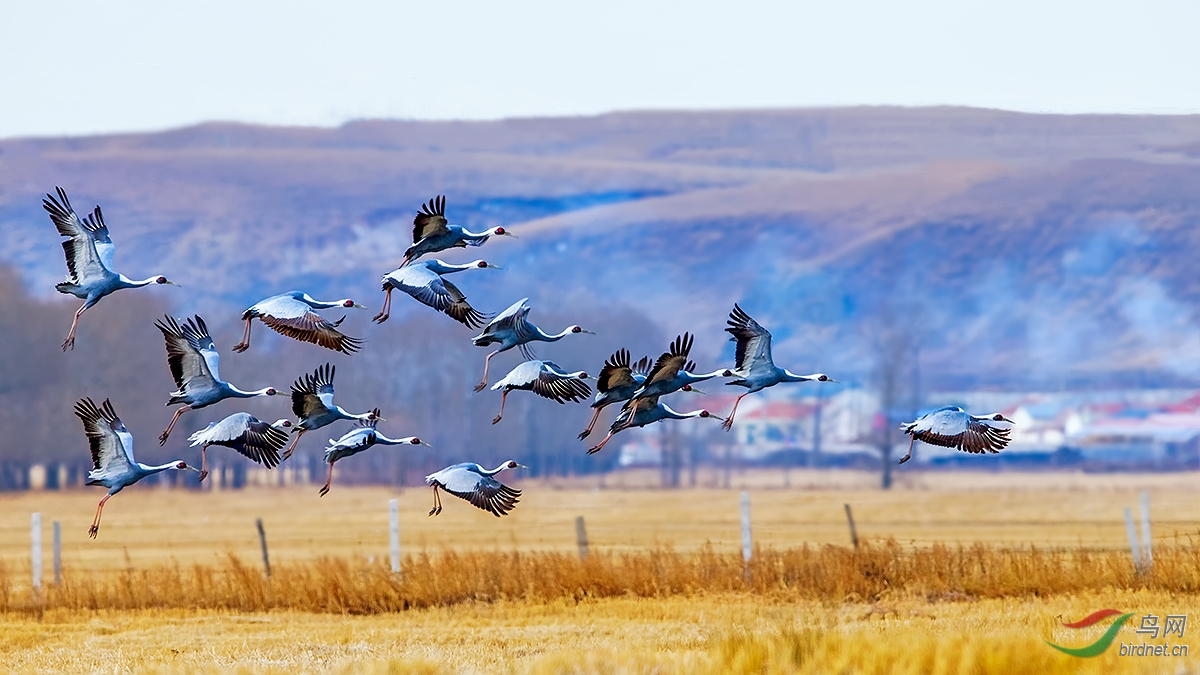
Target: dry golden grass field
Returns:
[174, 581]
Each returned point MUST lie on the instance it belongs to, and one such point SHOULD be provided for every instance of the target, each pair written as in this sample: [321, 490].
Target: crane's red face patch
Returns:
[499, 230]
[271, 391]
[181, 465]
[704, 413]
[512, 465]
[576, 329]
[415, 441]
[482, 263]
[160, 280]
[686, 387]
[727, 373]
[348, 303]
[583, 376]
[287, 423]
[998, 417]
[823, 378]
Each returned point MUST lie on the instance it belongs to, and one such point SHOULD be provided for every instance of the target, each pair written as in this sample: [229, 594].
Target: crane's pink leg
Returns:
[632, 407]
[481, 385]
[162, 439]
[203, 462]
[910, 448]
[245, 343]
[503, 396]
[598, 448]
[288, 453]
[437, 502]
[386, 310]
[591, 425]
[729, 420]
[328, 480]
[95, 528]
[70, 341]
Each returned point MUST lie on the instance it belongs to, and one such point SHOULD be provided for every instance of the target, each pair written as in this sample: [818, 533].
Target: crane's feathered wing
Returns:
[951, 427]
[432, 290]
[296, 319]
[191, 354]
[111, 444]
[753, 341]
[89, 251]
[617, 372]
[555, 384]
[669, 363]
[431, 220]
[512, 318]
[313, 394]
[249, 436]
[483, 492]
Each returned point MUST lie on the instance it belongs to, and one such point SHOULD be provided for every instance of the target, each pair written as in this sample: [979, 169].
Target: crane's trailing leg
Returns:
[288, 453]
[437, 502]
[503, 396]
[245, 343]
[69, 343]
[481, 385]
[203, 462]
[591, 425]
[95, 528]
[386, 310]
[910, 448]
[729, 420]
[600, 446]
[162, 439]
[328, 480]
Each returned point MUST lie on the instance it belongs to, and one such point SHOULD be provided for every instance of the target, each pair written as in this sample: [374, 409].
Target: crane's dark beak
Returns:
[696, 389]
[358, 306]
[493, 267]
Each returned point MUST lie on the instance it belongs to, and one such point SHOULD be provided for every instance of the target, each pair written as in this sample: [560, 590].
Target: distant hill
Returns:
[1016, 248]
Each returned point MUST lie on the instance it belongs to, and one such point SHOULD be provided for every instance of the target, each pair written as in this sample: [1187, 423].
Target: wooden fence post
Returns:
[581, 539]
[853, 532]
[262, 538]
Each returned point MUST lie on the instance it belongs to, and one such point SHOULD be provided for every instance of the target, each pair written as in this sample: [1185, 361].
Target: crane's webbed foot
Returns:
[435, 510]
[93, 531]
[69, 343]
[325, 490]
[481, 385]
[584, 434]
[241, 347]
[728, 424]
[905, 458]
[497, 419]
[381, 317]
[203, 475]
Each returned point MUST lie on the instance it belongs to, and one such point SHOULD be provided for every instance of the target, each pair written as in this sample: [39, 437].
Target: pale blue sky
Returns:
[80, 67]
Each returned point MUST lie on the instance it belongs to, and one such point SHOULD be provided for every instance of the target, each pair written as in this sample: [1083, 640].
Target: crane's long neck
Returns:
[494, 471]
[694, 377]
[134, 283]
[384, 440]
[344, 414]
[150, 470]
[320, 304]
[673, 415]
[238, 393]
[789, 376]
[545, 337]
[476, 236]
[439, 267]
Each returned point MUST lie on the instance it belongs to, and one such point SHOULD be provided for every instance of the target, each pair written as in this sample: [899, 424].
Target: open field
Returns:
[718, 633]
[663, 591]
[144, 526]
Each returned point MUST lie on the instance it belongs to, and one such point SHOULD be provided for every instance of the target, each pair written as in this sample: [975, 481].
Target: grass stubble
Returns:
[884, 608]
[512, 596]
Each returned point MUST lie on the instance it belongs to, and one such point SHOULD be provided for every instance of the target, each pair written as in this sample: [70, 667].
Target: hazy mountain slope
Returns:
[1017, 246]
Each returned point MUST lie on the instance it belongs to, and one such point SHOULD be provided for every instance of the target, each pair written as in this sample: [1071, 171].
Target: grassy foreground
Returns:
[707, 633]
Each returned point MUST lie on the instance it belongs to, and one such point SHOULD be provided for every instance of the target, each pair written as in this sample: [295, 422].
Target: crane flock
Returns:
[193, 361]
